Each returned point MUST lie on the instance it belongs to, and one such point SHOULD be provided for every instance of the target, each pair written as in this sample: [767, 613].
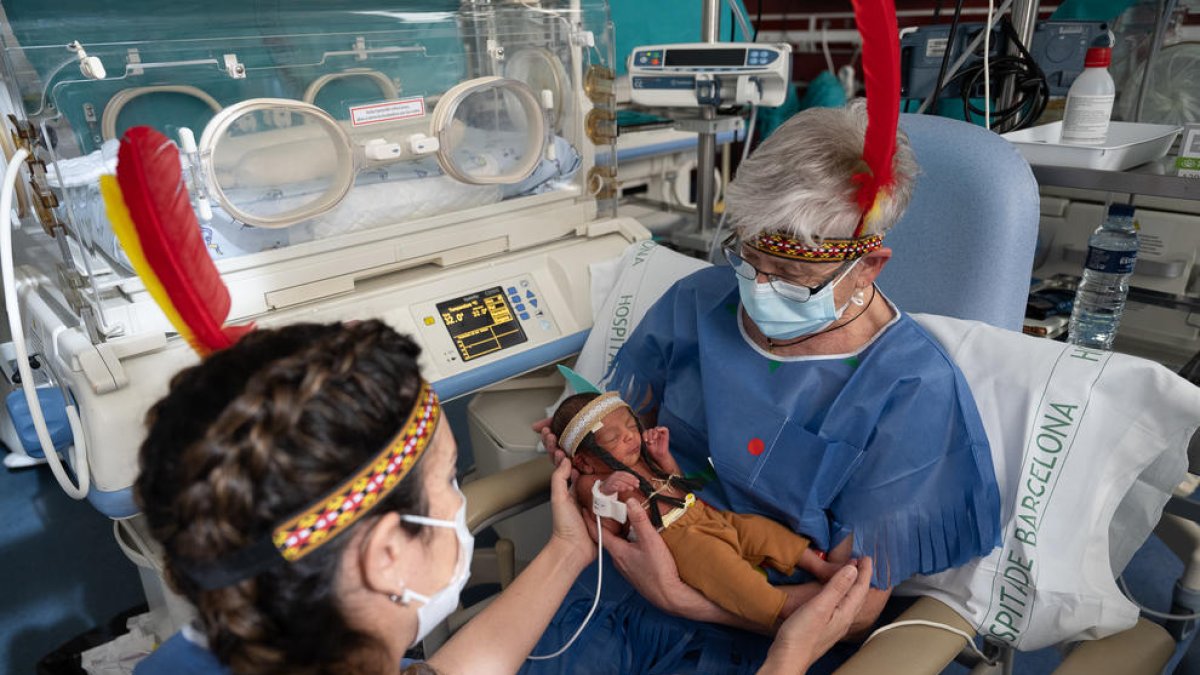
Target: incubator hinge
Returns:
[495, 50]
[601, 126]
[233, 67]
[133, 60]
[602, 181]
[583, 38]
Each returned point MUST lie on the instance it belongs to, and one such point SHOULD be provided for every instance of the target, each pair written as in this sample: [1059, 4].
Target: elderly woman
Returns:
[803, 393]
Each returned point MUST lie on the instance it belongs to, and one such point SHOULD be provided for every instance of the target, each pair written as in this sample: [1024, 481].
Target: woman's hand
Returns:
[814, 628]
[569, 524]
[658, 444]
[549, 441]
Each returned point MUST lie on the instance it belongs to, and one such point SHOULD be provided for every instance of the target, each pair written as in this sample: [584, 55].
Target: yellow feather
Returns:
[122, 225]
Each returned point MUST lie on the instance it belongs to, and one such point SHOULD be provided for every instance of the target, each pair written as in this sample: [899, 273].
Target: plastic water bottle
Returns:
[1100, 299]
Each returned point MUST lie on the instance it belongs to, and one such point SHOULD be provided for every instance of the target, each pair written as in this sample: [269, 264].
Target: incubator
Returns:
[445, 166]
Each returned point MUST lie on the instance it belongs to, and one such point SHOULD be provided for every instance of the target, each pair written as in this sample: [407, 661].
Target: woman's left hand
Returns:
[569, 526]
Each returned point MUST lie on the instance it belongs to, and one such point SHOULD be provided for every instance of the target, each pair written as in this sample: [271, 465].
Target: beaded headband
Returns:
[329, 516]
[589, 419]
[829, 250]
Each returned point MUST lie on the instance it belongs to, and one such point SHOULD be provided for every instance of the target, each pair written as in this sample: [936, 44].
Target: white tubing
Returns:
[22, 354]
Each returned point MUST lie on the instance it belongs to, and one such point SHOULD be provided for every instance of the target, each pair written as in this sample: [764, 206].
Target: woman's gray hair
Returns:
[800, 180]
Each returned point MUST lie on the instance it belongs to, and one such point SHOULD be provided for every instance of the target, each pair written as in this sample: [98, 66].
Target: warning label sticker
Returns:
[388, 111]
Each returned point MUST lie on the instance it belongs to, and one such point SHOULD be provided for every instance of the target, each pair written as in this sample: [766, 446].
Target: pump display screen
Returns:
[706, 57]
[481, 323]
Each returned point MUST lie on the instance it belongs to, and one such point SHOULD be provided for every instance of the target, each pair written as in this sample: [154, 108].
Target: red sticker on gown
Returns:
[756, 446]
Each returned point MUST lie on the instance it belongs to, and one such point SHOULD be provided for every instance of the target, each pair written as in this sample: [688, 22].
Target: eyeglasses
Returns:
[788, 289]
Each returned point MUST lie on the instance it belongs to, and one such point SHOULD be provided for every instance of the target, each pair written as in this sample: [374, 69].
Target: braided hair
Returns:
[251, 435]
[572, 405]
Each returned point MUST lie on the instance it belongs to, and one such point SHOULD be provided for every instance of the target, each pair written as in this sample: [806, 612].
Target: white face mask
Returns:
[435, 608]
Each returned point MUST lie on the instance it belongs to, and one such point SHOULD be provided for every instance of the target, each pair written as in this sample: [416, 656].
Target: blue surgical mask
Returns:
[781, 318]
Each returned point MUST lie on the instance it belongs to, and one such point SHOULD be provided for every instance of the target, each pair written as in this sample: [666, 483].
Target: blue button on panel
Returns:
[520, 307]
[514, 299]
[524, 316]
[529, 294]
[512, 290]
[533, 302]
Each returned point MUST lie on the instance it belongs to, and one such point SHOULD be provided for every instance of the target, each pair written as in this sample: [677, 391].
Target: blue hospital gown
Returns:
[885, 444]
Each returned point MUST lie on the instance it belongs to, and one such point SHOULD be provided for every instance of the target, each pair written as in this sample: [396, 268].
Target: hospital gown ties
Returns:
[885, 444]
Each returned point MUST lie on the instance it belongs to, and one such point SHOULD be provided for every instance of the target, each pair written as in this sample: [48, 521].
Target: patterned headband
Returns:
[829, 250]
[334, 513]
[588, 420]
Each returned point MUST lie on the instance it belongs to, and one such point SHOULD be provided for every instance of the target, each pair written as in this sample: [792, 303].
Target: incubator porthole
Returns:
[543, 72]
[490, 131]
[275, 162]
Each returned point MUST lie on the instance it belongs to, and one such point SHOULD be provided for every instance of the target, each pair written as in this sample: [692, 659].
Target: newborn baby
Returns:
[718, 553]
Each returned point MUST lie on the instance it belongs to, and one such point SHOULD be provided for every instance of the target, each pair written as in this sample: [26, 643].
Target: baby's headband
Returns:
[589, 419]
[327, 517]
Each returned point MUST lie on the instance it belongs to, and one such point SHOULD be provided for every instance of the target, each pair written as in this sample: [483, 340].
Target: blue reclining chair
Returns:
[965, 249]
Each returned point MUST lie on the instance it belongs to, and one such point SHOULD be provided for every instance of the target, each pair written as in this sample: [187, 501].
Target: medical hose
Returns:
[716, 239]
[17, 330]
[595, 602]
[1152, 612]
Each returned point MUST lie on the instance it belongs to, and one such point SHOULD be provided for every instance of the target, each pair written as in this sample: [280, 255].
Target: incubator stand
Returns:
[445, 169]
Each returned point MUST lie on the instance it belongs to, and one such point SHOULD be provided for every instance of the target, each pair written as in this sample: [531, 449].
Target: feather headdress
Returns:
[876, 20]
[148, 206]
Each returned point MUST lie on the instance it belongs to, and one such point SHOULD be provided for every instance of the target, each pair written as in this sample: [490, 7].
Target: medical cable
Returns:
[1151, 612]
[716, 239]
[941, 78]
[595, 602]
[1029, 81]
[987, 56]
[742, 21]
[966, 54]
[17, 331]
[933, 624]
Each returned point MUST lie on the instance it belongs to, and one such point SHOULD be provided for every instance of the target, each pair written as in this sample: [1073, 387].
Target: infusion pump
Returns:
[696, 74]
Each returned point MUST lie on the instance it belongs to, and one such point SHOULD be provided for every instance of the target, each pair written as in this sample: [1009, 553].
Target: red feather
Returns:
[876, 20]
[148, 170]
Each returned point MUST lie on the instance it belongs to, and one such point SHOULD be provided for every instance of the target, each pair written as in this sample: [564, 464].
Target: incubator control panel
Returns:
[469, 327]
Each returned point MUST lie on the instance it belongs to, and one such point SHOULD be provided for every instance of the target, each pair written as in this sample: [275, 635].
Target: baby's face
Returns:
[619, 435]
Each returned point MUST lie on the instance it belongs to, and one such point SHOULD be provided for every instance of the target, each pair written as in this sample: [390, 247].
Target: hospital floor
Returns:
[63, 574]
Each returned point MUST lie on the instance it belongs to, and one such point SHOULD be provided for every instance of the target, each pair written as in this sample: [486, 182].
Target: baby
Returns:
[717, 552]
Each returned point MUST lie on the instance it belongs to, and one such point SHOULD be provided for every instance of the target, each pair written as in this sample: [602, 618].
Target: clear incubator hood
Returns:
[403, 160]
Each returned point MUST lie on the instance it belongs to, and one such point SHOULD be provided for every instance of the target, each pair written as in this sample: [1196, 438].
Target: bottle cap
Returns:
[1121, 210]
[1098, 57]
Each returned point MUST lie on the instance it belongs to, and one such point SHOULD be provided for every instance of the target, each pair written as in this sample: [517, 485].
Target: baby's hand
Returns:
[823, 570]
[658, 444]
[618, 482]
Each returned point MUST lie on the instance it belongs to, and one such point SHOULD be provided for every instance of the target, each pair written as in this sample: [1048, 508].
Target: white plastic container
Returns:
[1128, 144]
[1090, 100]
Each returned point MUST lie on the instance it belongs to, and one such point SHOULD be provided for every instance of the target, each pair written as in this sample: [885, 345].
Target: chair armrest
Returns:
[507, 493]
[919, 650]
[1145, 648]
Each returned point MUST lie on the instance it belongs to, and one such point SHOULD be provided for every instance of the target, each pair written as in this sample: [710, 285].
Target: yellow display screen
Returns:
[481, 323]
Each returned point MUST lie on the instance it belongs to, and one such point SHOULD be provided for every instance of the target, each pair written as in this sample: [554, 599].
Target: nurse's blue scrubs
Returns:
[884, 444]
